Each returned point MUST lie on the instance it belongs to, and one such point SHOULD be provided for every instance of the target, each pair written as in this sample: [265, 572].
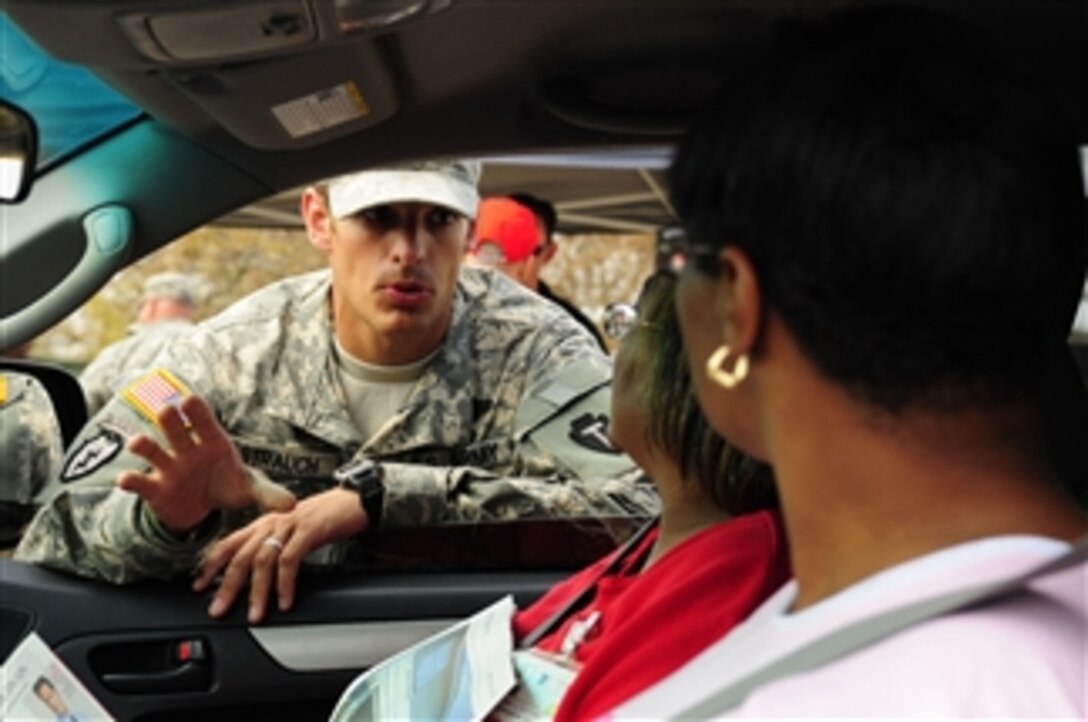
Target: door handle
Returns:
[154, 666]
[191, 676]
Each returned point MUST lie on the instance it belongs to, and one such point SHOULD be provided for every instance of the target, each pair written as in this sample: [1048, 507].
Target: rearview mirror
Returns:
[18, 152]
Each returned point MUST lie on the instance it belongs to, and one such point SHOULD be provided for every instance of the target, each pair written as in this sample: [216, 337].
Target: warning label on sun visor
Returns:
[322, 110]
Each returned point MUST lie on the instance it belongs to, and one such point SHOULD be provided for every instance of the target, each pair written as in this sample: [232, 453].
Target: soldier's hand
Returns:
[267, 554]
[201, 471]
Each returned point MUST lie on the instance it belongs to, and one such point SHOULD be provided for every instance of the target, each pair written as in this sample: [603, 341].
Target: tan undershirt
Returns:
[375, 393]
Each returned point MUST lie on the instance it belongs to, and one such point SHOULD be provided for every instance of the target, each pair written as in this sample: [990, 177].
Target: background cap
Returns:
[506, 232]
[171, 284]
[450, 183]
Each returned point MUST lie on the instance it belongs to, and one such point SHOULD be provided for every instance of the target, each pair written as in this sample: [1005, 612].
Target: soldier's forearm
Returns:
[106, 534]
[418, 495]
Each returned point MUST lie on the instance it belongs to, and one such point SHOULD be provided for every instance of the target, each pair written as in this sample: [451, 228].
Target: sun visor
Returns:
[216, 33]
[317, 97]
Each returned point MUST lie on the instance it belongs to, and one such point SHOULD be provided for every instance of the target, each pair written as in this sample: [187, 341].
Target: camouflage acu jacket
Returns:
[508, 421]
[30, 449]
[132, 353]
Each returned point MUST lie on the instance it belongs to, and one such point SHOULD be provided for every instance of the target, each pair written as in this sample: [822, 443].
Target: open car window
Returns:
[176, 137]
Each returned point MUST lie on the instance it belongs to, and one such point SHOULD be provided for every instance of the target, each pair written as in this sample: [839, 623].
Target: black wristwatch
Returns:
[367, 479]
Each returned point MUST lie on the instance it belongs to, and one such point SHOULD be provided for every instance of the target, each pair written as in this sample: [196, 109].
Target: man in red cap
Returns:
[514, 235]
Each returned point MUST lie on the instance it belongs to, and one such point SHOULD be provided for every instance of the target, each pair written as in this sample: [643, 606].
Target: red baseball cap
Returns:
[506, 232]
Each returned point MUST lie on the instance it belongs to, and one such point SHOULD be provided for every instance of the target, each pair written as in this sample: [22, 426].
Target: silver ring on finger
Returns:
[272, 541]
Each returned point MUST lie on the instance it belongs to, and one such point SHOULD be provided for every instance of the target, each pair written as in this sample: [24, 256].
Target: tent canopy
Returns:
[617, 192]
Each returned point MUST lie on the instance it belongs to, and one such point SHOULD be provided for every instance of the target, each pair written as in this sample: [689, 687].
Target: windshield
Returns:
[71, 106]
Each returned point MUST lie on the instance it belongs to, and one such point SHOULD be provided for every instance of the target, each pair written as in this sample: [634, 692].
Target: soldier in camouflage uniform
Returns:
[166, 312]
[476, 399]
[30, 450]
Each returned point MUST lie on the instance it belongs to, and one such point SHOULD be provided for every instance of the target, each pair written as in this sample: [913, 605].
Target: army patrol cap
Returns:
[170, 284]
[448, 183]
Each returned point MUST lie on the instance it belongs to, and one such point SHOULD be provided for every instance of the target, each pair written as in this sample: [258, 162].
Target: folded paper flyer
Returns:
[36, 685]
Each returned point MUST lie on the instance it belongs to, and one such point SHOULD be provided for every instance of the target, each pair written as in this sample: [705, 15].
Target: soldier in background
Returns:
[166, 310]
[516, 235]
[30, 447]
[433, 394]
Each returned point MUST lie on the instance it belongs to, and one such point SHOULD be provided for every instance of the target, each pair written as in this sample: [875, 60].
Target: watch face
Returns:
[354, 470]
[371, 485]
[365, 477]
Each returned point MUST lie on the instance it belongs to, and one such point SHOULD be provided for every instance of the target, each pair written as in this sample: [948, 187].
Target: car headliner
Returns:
[480, 77]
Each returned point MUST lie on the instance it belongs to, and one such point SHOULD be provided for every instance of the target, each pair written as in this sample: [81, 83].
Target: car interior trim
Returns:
[109, 233]
[320, 647]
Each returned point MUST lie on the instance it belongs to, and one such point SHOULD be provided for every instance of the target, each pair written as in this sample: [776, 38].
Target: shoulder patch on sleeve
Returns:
[14, 386]
[591, 431]
[576, 434]
[153, 392]
[544, 401]
[94, 453]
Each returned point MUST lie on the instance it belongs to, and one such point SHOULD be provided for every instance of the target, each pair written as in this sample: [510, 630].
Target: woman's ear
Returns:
[740, 302]
[318, 219]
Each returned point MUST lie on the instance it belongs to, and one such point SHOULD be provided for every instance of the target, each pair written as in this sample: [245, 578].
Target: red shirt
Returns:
[651, 623]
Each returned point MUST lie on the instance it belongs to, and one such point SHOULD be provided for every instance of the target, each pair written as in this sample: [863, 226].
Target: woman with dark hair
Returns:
[886, 244]
[714, 554]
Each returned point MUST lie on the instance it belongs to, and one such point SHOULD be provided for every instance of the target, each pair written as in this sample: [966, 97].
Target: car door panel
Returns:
[150, 652]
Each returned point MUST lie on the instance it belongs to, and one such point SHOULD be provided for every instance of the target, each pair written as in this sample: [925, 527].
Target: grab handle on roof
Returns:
[109, 235]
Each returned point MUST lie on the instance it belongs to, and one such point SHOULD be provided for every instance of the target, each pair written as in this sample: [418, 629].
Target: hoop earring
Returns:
[726, 379]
